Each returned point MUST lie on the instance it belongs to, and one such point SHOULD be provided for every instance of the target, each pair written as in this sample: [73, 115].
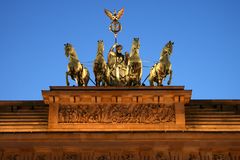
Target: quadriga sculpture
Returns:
[161, 69]
[100, 68]
[135, 64]
[75, 70]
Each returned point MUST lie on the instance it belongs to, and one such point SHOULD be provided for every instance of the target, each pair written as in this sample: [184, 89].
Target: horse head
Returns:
[68, 49]
[100, 47]
[135, 47]
[136, 43]
[168, 48]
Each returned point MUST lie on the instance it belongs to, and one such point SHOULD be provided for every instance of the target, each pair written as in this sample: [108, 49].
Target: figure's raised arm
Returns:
[112, 48]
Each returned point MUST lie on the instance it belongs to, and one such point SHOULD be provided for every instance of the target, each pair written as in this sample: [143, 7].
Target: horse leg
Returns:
[170, 77]
[78, 79]
[85, 78]
[103, 80]
[82, 82]
[139, 83]
[102, 83]
[151, 81]
[135, 82]
[67, 82]
[99, 80]
[96, 81]
[79, 82]
[159, 83]
[106, 80]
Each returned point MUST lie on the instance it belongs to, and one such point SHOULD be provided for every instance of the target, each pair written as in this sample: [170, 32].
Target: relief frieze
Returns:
[117, 113]
[108, 154]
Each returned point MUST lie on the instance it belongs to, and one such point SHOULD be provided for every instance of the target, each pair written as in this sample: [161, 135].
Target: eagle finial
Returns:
[115, 16]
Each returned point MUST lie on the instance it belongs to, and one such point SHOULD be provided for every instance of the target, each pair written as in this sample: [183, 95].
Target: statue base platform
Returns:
[116, 108]
[119, 123]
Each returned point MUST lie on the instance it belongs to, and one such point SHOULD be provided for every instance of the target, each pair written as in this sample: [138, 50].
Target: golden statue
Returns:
[161, 69]
[118, 68]
[100, 67]
[75, 70]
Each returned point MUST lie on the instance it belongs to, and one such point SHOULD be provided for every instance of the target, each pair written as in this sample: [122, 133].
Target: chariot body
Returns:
[120, 70]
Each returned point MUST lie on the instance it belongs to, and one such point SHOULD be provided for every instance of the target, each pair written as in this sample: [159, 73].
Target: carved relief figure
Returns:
[219, 156]
[41, 157]
[194, 156]
[161, 69]
[102, 157]
[70, 156]
[76, 70]
[160, 156]
[12, 157]
[128, 156]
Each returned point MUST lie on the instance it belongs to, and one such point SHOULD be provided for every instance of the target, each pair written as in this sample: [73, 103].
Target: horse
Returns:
[135, 64]
[75, 69]
[161, 69]
[100, 68]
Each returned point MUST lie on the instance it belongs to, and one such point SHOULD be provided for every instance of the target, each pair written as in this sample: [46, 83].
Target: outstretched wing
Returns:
[109, 14]
[120, 13]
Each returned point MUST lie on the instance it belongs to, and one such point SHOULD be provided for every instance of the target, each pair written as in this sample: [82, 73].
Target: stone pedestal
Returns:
[120, 123]
[116, 108]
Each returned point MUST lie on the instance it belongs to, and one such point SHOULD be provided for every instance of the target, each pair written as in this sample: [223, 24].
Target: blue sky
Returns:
[206, 34]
